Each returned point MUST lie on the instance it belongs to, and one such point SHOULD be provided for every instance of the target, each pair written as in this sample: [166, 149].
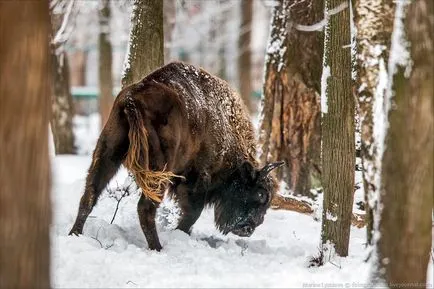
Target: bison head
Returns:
[244, 198]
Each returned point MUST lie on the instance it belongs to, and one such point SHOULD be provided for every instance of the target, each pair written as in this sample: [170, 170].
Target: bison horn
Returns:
[269, 167]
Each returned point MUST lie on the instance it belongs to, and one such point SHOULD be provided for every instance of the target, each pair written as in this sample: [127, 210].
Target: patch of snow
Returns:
[331, 217]
[325, 75]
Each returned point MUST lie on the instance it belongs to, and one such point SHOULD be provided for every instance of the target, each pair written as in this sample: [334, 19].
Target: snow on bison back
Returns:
[184, 129]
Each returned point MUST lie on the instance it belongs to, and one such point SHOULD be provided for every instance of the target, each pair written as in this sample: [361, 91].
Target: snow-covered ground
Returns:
[116, 255]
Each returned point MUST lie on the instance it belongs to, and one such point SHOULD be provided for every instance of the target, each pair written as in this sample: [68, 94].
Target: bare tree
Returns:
[407, 165]
[61, 100]
[338, 133]
[146, 50]
[290, 128]
[105, 62]
[374, 23]
[24, 166]
[245, 53]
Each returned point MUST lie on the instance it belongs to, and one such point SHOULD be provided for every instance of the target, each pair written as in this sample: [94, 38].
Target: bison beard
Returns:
[182, 129]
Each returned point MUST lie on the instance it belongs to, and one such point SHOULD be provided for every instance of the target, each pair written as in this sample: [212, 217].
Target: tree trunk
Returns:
[220, 30]
[374, 25]
[24, 166]
[338, 140]
[169, 26]
[290, 129]
[78, 68]
[407, 166]
[245, 53]
[61, 103]
[105, 62]
[146, 51]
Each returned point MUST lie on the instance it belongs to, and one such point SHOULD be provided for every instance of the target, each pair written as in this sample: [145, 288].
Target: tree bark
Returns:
[338, 139]
[169, 26]
[407, 166]
[245, 53]
[78, 67]
[24, 166]
[61, 99]
[290, 128]
[61, 103]
[146, 49]
[105, 62]
[374, 25]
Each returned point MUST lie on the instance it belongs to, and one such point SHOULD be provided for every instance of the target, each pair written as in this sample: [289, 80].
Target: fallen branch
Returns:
[280, 202]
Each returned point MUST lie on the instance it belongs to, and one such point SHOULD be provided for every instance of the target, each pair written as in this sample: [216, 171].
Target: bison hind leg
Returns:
[146, 209]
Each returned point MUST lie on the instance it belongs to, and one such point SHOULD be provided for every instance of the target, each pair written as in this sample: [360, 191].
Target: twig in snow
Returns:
[100, 243]
[96, 237]
[125, 191]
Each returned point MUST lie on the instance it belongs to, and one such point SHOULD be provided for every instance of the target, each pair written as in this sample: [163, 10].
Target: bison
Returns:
[185, 130]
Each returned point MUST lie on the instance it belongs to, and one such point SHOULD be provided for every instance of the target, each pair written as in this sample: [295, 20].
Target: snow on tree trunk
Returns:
[61, 102]
[105, 62]
[146, 49]
[290, 126]
[374, 24]
[24, 166]
[407, 167]
[245, 54]
[338, 135]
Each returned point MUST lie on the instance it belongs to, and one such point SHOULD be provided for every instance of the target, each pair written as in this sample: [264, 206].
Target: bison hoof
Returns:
[156, 247]
[75, 232]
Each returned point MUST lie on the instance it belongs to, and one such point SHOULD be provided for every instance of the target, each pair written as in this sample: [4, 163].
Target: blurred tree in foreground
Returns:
[61, 100]
[290, 128]
[146, 50]
[407, 166]
[24, 167]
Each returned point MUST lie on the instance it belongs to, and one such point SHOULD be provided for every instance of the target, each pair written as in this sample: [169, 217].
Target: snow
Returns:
[325, 75]
[275, 256]
[116, 255]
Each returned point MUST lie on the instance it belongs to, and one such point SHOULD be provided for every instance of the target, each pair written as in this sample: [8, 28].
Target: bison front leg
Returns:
[191, 202]
[147, 209]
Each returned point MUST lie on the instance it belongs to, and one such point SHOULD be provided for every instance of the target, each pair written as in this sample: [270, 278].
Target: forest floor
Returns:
[116, 255]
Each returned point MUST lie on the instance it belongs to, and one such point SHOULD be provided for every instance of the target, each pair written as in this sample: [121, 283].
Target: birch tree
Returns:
[24, 165]
[105, 61]
[290, 126]
[407, 167]
[374, 24]
[338, 132]
[146, 49]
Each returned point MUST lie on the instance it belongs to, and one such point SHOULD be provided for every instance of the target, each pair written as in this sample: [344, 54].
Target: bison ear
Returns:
[248, 171]
[265, 171]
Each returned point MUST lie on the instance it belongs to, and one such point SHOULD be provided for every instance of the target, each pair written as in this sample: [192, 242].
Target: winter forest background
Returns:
[341, 90]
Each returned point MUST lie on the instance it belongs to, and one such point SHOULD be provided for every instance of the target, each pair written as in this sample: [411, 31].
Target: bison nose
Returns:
[244, 230]
[247, 230]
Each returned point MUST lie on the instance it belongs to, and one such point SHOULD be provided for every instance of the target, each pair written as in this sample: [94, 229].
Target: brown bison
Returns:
[182, 129]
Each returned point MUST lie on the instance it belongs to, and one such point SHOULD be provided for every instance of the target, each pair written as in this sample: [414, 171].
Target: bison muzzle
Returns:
[187, 131]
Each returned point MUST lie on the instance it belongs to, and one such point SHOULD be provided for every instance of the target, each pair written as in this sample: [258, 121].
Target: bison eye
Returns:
[262, 197]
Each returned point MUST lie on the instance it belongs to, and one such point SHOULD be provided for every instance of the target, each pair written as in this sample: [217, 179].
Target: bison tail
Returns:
[152, 183]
